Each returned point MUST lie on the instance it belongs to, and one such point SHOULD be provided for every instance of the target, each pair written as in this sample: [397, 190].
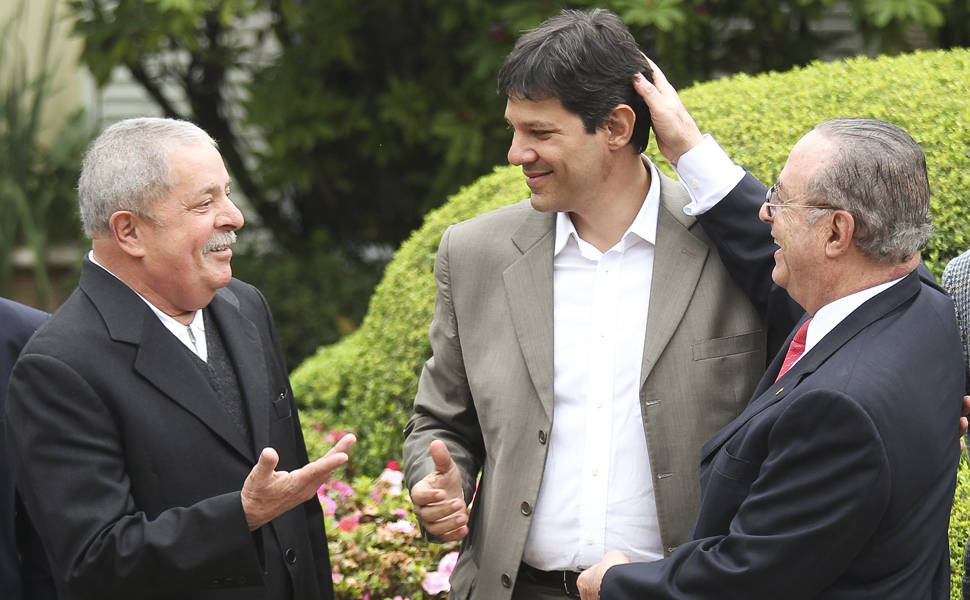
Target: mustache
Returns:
[222, 239]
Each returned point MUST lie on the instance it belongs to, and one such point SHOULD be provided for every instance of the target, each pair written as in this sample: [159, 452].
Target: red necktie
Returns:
[795, 349]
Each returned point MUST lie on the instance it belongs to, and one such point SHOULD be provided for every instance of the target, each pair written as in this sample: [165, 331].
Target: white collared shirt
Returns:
[184, 333]
[597, 493]
[829, 316]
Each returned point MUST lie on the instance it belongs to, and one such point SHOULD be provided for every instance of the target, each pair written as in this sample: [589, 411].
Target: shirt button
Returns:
[590, 541]
[526, 508]
[542, 437]
[506, 580]
[290, 556]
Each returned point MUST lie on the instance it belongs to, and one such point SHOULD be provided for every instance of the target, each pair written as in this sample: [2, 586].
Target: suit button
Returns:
[526, 508]
[542, 437]
[290, 556]
[506, 580]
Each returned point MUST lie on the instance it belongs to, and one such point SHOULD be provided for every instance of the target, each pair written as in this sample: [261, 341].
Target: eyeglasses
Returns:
[771, 206]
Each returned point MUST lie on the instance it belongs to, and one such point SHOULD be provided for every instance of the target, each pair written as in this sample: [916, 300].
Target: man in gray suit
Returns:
[586, 342]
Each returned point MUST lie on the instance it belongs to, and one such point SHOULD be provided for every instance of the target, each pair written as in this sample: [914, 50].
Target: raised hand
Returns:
[673, 126]
[438, 499]
[268, 493]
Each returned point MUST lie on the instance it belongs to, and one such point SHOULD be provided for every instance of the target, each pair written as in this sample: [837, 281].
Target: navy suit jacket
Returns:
[837, 480]
[131, 468]
[24, 573]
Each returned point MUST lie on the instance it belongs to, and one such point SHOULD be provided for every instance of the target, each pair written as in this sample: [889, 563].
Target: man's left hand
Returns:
[590, 579]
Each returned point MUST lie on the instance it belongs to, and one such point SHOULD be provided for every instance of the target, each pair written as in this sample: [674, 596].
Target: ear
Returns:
[840, 231]
[619, 126]
[126, 230]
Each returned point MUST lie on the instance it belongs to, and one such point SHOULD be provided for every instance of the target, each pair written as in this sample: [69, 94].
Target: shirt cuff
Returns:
[708, 173]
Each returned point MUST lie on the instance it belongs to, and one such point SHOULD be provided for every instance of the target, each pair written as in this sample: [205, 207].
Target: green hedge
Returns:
[366, 382]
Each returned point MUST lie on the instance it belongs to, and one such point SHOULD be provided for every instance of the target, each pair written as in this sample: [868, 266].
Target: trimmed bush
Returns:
[366, 382]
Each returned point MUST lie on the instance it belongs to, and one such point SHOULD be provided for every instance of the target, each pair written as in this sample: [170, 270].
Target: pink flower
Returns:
[375, 495]
[400, 513]
[403, 526]
[349, 523]
[334, 436]
[394, 466]
[393, 478]
[337, 577]
[329, 505]
[343, 490]
[435, 582]
[447, 564]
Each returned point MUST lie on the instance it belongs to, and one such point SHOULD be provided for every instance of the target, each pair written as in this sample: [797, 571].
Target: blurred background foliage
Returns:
[344, 122]
[40, 153]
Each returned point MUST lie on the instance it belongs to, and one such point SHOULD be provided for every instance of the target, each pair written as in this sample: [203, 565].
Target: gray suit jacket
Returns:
[488, 393]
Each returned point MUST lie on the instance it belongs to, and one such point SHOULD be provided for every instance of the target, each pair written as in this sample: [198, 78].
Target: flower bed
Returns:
[377, 550]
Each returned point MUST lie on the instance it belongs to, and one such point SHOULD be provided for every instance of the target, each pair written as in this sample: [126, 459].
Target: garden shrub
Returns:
[366, 382]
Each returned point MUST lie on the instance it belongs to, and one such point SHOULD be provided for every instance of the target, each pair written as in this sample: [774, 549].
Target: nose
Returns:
[230, 217]
[520, 153]
[763, 213]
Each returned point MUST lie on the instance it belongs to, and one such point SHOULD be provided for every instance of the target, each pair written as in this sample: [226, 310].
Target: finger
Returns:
[423, 493]
[344, 444]
[268, 459]
[451, 511]
[963, 426]
[659, 79]
[966, 406]
[452, 536]
[441, 457]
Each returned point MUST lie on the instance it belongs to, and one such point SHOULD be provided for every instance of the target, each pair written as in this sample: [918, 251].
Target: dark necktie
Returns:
[795, 349]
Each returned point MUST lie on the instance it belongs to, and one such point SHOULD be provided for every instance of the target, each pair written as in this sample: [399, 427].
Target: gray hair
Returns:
[878, 175]
[127, 167]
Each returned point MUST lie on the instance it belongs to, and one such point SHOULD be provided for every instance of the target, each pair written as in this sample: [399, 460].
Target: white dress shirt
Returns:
[192, 335]
[597, 489]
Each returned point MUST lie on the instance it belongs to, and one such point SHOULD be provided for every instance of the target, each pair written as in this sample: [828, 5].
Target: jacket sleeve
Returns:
[79, 496]
[805, 511]
[443, 407]
[747, 250]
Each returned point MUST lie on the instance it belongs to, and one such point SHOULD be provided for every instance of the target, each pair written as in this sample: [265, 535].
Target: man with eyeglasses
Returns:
[837, 480]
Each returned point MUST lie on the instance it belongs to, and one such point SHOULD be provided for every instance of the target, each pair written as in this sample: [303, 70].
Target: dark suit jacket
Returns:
[24, 574]
[836, 481]
[131, 468]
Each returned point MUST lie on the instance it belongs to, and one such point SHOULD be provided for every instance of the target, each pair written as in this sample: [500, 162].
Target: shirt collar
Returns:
[829, 316]
[644, 226]
[197, 324]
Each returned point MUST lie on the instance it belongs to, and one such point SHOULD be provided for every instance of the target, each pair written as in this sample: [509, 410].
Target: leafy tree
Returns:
[352, 118]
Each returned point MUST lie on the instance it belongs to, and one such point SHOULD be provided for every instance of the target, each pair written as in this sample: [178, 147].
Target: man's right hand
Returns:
[438, 500]
[673, 126]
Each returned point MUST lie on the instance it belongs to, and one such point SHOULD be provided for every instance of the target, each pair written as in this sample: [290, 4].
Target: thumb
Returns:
[441, 457]
[268, 459]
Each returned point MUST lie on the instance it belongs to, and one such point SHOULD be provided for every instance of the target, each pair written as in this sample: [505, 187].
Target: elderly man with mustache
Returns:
[143, 404]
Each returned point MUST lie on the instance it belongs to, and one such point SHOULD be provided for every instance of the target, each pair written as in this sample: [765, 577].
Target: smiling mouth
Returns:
[220, 242]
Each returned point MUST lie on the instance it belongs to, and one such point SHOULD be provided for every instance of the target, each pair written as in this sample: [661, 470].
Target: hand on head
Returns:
[269, 493]
[438, 500]
[673, 126]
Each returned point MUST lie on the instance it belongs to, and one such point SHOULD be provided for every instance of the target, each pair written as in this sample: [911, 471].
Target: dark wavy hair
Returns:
[586, 60]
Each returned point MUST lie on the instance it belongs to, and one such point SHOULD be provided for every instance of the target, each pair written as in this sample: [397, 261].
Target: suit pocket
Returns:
[726, 346]
[732, 467]
[281, 406]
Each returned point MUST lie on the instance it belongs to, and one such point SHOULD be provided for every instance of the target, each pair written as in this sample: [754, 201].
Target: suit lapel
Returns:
[248, 357]
[770, 391]
[160, 358]
[678, 261]
[528, 289]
